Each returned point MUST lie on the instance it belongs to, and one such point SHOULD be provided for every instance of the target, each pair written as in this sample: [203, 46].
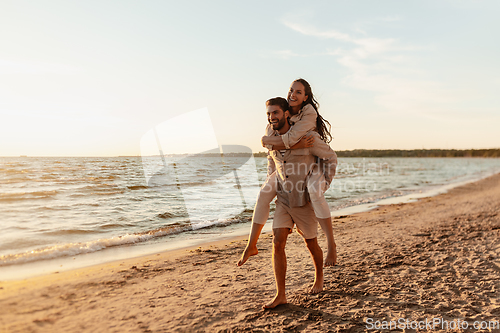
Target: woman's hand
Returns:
[264, 141]
[305, 142]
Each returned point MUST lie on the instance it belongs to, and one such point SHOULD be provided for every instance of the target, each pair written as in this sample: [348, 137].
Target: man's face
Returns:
[276, 117]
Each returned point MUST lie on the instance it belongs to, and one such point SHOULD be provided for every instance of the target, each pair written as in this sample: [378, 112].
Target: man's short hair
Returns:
[279, 101]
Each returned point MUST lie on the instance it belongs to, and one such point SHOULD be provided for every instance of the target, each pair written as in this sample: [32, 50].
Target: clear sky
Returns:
[91, 78]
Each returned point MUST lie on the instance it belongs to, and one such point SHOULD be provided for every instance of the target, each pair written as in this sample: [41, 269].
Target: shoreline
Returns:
[189, 241]
[436, 257]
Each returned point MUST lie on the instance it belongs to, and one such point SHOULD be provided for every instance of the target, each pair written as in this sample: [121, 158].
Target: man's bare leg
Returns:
[251, 248]
[260, 216]
[279, 265]
[331, 254]
[317, 257]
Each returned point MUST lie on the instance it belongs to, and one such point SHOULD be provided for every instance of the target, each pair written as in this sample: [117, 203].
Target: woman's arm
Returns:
[305, 142]
[272, 140]
[306, 123]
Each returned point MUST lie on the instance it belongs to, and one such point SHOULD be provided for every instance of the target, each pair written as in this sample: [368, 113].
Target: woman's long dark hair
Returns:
[323, 127]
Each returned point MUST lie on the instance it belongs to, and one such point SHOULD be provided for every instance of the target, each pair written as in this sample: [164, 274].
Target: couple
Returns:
[301, 166]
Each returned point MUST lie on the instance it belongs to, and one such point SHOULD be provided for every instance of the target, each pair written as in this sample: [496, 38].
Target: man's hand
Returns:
[305, 142]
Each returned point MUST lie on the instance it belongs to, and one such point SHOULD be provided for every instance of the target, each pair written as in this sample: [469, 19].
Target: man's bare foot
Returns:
[247, 254]
[278, 300]
[317, 286]
[331, 257]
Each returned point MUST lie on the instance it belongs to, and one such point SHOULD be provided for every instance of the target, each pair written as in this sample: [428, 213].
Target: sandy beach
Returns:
[435, 258]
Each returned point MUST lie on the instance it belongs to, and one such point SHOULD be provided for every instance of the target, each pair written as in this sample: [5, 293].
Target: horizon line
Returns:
[259, 152]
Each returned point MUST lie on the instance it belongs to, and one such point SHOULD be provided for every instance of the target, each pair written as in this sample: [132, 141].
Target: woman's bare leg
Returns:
[316, 186]
[331, 254]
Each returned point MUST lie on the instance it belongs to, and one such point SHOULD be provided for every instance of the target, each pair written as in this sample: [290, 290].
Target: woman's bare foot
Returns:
[331, 257]
[247, 254]
[278, 300]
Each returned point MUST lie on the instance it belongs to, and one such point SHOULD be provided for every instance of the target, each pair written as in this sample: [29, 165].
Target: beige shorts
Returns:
[303, 217]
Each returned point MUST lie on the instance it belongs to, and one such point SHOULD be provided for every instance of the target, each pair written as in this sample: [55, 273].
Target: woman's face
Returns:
[296, 95]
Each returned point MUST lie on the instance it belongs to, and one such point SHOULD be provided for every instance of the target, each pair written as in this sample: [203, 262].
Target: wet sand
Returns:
[435, 258]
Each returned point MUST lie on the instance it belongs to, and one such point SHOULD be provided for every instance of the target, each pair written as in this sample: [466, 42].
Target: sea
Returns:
[60, 213]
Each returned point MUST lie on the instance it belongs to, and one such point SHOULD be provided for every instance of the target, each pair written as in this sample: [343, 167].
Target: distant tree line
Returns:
[412, 153]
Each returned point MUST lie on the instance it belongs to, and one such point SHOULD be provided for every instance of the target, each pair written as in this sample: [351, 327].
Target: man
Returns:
[292, 205]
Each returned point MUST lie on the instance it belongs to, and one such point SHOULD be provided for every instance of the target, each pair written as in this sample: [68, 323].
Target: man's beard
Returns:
[280, 124]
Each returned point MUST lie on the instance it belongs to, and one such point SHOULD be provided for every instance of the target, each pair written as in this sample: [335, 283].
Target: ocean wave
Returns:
[169, 215]
[159, 183]
[114, 225]
[100, 189]
[72, 249]
[137, 187]
[15, 196]
[108, 192]
[65, 232]
[12, 171]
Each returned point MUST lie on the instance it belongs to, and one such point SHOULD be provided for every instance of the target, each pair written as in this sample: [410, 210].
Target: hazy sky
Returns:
[91, 78]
